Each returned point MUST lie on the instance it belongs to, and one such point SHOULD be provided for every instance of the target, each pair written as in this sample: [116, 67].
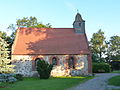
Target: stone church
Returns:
[66, 48]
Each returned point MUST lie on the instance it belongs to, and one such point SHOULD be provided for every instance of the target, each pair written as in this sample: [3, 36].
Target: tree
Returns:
[25, 22]
[5, 66]
[31, 22]
[113, 52]
[98, 45]
[4, 36]
[115, 45]
[8, 39]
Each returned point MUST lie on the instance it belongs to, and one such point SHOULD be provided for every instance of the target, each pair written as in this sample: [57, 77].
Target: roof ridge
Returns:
[42, 28]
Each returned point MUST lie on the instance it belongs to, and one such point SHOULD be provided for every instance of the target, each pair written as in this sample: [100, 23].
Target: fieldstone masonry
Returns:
[25, 65]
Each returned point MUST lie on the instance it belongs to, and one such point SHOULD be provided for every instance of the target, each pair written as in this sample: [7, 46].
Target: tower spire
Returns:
[79, 24]
[78, 18]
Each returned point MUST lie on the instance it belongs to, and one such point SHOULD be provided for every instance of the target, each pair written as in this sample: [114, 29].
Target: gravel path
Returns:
[97, 83]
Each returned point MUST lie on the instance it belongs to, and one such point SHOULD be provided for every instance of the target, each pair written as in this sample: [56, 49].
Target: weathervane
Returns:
[77, 11]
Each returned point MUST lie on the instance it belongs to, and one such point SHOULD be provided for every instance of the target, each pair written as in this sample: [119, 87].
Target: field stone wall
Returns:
[24, 65]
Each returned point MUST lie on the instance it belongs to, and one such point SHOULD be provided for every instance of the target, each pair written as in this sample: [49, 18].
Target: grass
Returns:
[114, 81]
[117, 71]
[58, 83]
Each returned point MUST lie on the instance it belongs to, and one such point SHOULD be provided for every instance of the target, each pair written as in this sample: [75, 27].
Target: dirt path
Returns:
[97, 83]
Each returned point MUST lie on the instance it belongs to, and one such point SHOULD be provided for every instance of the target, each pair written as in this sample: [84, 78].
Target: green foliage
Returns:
[4, 36]
[116, 71]
[27, 22]
[115, 64]
[100, 67]
[4, 61]
[8, 40]
[113, 51]
[98, 45]
[7, 78]
[31, 22]
[114, 81]
[44, 69]
[97, 59]
[19, 77]
[115, 45]
[13, 28]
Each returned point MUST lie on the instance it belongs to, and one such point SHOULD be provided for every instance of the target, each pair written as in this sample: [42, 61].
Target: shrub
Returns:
[19, 77]
[100, 67]
[44, 69]
[7, 78]
[115, 65]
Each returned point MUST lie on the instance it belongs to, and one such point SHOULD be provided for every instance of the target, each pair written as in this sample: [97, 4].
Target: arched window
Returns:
[54, 61]
[71, 63]
[36, 60]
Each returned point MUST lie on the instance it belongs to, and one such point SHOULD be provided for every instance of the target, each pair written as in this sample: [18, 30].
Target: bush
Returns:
[7, 78]
[115, 65]
[44, 69]
[100, 67]
[19, 77]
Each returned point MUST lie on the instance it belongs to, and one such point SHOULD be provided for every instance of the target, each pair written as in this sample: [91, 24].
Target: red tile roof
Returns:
[49, 41]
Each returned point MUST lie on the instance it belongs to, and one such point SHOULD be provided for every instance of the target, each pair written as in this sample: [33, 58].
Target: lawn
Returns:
[60, 83]
[114, 81]
[117, 71]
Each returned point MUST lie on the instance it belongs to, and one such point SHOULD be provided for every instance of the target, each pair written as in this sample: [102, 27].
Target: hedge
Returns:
[101, 68]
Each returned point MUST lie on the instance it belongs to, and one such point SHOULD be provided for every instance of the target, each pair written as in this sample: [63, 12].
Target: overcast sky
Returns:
[98, 14]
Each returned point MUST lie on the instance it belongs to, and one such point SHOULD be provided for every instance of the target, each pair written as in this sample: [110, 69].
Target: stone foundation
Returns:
[25, 64]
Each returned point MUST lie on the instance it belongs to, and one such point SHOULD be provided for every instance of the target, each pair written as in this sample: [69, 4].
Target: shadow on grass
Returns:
[53, 83]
